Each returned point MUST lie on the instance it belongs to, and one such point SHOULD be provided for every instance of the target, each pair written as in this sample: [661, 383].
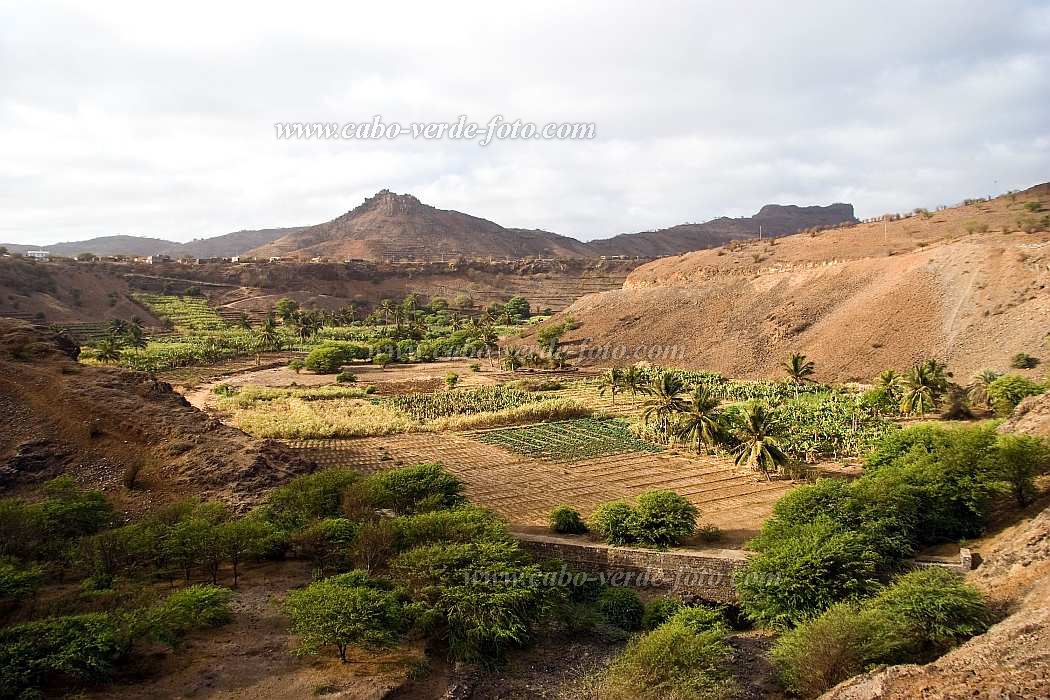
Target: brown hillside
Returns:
[389, 225]
[65, 293]
[773, 220]
[93, 423]
[857, 299]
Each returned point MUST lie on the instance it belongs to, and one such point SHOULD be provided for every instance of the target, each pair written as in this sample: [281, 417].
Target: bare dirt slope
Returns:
[856, 300]
[71, 293]
[93, 423]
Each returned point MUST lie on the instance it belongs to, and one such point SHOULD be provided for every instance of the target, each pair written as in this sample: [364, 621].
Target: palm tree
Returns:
[978, 389]
[889, 380]
[107, 351]
[307, 324]
[512, 359]
[759, 448]
[118, 326]
[268, 335]
[799, 369]
[631, 377]
[244, 321]
[134, 337]
[701, 420]
[611, 383]
[664, 399]
[923, 386]
[385, 308]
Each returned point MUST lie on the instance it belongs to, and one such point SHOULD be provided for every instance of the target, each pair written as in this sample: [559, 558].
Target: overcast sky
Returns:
[158, 118]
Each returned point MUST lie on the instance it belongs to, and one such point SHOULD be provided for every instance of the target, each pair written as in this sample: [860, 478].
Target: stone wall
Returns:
[707, 575]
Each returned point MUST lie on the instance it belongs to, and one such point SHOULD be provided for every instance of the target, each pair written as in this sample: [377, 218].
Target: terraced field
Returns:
[525, 489]
[567, 441]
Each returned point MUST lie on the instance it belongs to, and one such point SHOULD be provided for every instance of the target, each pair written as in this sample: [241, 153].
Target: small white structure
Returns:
[275, 259]
[38, 254]
[154, 259]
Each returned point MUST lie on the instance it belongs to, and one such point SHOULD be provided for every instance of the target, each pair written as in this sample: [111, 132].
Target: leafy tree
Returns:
[701, 420]
[58, 649]
[796, 577]
[679, 659]
[759, 448]
[1021, 459]
[415, 489]
[246, 538]
[613, 522]
[1009, 390]
[512, 359]
[799, 369]
[286, 309]
[188, 609]
[331, 612]
[325, 359]
[549, 336]
[382, 359]
[517, 307]
[451, 379]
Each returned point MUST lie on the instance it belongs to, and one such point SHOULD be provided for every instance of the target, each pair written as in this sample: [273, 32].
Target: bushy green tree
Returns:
[663, 518]
[1009, 390]
[796, 577]
[1021, 458]
[338, 613]
[621, 607]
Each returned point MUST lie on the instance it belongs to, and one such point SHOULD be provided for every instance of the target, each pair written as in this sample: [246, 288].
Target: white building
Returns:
[38, 254]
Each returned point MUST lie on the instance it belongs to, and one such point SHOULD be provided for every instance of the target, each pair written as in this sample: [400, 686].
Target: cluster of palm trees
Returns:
[120, 334]
[694, 414]
[928, 385]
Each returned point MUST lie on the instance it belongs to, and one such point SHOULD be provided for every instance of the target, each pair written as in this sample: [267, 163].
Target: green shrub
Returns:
[613, 522]
[346, 377]
[1023, 360]
[18, 582]
[191, 608]
[567, 520]
[326, 542]
[621, 607]
[325, 359]
[659, 611]
[916, 619]
[382, 359]
[451, 379]
[57, 651]
[663, 518]
[415, 489]
[484, 597]
[841, 643]
[1021, 458]
[296, 365]
[676, 660]
[464, 523]
[1009, 390]
[342, 613]
[307, 498]
[936, 607]
[802, 575]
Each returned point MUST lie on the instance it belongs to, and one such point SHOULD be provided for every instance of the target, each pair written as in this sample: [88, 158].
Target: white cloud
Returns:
[125, 117]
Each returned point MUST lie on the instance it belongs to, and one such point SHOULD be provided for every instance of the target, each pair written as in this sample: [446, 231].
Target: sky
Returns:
[159, 119]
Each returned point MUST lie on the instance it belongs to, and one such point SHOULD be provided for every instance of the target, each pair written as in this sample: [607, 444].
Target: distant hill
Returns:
[772, 220]
[229, 244]
[390, 225]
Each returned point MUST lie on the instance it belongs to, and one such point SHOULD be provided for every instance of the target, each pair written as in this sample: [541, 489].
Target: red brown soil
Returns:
[856, 300]
[94, 423]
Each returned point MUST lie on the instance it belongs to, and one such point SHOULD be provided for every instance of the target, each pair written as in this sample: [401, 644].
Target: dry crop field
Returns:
[525, 489]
